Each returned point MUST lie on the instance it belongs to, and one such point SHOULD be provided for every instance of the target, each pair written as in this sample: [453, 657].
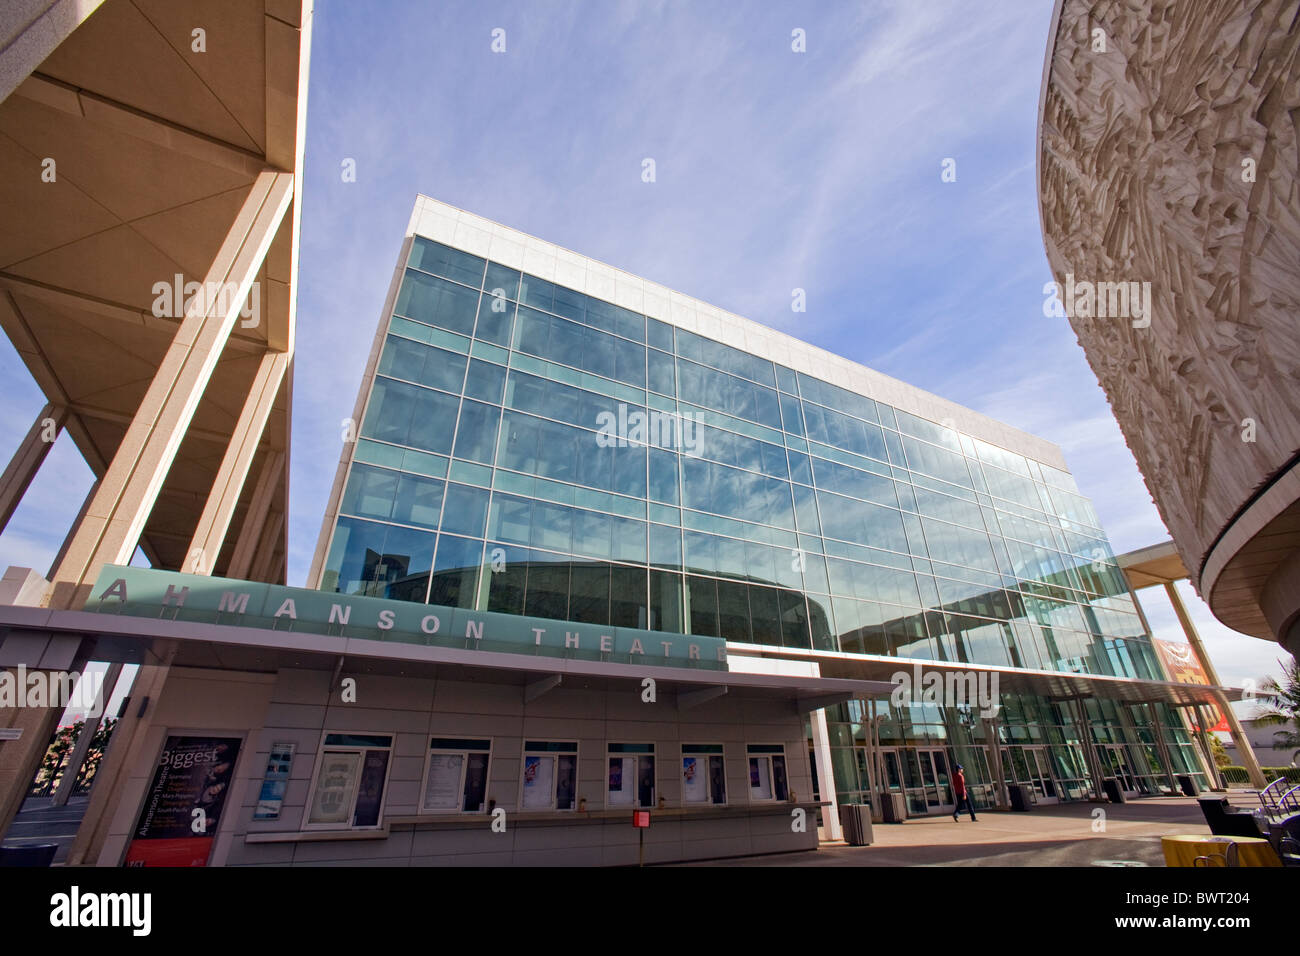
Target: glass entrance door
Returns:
[1115, 759]
[939, 797]
[1031, 766]
[923, 775]
[1039, 766]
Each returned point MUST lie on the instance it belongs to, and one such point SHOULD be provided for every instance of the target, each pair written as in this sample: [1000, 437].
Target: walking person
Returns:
[961, 794]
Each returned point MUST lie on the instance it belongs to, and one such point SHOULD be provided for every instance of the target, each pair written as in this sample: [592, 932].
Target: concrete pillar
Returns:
[111, 525]
[89, 728]
[111, 528]
[250, 534]
[825, 775]
[210, 533]
[1234, 725]
[1202, 723]
[264, 566]
[22, 468]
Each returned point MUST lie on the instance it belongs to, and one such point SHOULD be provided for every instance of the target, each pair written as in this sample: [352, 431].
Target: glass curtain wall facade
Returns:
[530, 449]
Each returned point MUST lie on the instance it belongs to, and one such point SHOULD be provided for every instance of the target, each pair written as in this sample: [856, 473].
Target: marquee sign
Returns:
[170, 595]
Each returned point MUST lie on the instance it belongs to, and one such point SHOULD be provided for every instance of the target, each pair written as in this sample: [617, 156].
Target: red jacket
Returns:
[959, 784]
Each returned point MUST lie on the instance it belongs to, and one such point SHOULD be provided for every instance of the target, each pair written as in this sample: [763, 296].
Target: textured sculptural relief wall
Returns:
[1141, 178]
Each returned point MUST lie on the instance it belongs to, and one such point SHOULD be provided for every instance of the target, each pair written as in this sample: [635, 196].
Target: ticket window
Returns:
[768, 780]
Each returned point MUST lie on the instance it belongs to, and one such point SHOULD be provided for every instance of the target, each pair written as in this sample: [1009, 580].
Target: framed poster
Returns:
[695, 785]
[335, 787]
[622, 781]
[184, 803]
[442, 790]
[274, 783]
[539, 781]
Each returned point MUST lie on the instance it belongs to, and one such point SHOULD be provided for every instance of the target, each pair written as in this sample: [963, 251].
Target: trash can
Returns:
[855, 820]
[1020, 797]
[1111, 786]
[1187, 784]
[39, 854]
[893, 807]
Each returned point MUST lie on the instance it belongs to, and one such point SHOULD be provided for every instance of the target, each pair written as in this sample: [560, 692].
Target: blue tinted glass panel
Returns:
[430, 256]
[466, 510]
[476, 437]
[418, 501]
[456, 572]
[370, 492]
[537, 292]
[485, 381]
[662, 375]
[392, 416]
[495, 321]
[831, 396]
[718, 489]
[661, 335]
[379, 560]
[434, 301]
[724, 358]
[501, 281]
[422, 364]
[729, 394]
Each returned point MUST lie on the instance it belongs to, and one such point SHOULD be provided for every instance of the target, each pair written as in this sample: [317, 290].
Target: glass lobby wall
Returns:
[760, 505]
[1039, 742]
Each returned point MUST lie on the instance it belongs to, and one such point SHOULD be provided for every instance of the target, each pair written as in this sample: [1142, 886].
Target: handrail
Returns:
[1291, 799]
[1268, 797]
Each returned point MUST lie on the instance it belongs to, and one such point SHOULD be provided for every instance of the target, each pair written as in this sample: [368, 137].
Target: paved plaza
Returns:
[1065, 835]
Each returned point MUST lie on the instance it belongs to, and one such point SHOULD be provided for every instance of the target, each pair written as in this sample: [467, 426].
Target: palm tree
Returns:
[1282, 705]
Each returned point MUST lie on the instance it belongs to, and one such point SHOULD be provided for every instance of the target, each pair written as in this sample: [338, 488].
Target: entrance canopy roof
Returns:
[1055, 685]
[1156, 564]
[44, 637]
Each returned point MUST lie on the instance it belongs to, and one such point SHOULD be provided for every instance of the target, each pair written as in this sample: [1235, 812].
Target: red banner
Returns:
[1181, 665]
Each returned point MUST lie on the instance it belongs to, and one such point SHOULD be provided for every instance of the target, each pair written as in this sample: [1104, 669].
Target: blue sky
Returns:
[775, 170]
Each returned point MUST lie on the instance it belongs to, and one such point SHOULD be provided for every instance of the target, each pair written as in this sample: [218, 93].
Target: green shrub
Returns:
[1238, 775]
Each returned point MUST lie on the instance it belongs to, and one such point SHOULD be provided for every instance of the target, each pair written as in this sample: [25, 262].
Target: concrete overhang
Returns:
[1052, 684]
[1152, 565]
[139, 640]
[125, 156]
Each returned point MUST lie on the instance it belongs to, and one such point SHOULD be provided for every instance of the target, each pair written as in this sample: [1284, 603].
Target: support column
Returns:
[262, 568]
[1200, 714]
[1234, 725]
[825, 775]
[241, 559]
[89, 728]
[22, 468]
[210, 533]
[116, 517]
